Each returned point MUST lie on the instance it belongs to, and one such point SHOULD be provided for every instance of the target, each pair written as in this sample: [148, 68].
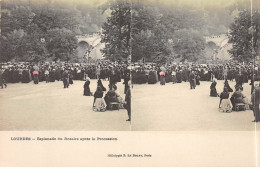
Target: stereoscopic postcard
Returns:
[130, 83]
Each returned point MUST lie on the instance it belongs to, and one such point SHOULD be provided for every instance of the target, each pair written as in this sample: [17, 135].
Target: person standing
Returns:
[225, 73]
[213, 90]
[174, 77]
[112, 80]
[98, 70]
[86, 87]
[65, 78]
[35, 77]
[2, 80]
[192, 80]
[47, 78]
[255, 98]
[126, 80]
[128, 102]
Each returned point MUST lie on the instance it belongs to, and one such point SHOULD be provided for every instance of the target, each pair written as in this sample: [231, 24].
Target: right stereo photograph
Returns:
[195, 65]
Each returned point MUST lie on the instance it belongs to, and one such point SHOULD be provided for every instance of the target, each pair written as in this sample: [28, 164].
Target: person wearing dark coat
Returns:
[58, 74]
[126, 80]
[52, 75]
[224, 95]
[213, 90]
[10, 76]
[86, 87]
[100, 84]
[25, 76]
[16, 76]
[128, 102]
[65, 78]
[112, 80]
[237, 97]
[110, 96]
[179, 76]
[226, 84]
[197, 79]
[255, 98]
[36, 77]
[98, 94]
[2, 80]
[70, 78]
[192, 80]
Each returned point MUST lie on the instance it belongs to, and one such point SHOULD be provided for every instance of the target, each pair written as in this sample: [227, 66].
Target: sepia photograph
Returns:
[129, 83]
[195, 65]
[63, 66]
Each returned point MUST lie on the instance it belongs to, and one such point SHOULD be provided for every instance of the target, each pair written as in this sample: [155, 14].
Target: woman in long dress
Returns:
[111, 96]
[99, 103]
[100, 84]
[162, 78]
[86, 87]
[256, 101]
[213, 90]
[35, 77]
[225, 104]
[239, 97]
[226, 84]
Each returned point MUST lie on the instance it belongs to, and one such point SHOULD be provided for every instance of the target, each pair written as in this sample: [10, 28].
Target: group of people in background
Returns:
[24, 73]
[45, 72]
[194, 73]
[141, 74]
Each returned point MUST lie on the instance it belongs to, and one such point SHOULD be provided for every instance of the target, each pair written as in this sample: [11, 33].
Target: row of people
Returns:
[180, 73]
[52, 73]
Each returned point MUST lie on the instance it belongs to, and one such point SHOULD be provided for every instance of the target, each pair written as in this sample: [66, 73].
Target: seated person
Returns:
[99, 103]
[99, 83]
[226, 84]
[238, 97]
[224, 103]
[111, 96]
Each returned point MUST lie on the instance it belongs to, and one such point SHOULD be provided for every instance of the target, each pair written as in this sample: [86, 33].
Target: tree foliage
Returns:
[162, 34]
[30, 28]
[241, 32]
[116, 31]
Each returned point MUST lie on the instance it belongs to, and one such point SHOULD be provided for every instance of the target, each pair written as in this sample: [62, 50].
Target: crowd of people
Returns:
[51, 72]
[67, 72]
[178, 73]
[151, 74]
[194, 73]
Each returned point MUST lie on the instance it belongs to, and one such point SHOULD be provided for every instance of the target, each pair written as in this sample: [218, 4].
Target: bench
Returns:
[240, 106]
[113, 105]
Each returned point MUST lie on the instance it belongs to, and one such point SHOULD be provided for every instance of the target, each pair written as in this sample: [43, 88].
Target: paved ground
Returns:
[174, 107]
[51, 107]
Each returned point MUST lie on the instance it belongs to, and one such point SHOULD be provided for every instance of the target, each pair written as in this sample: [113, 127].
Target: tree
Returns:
[17, 18]
[149, 36]
[61, 43]
[188, 44]
[116, 31]
[11, 45]
[241, 35]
